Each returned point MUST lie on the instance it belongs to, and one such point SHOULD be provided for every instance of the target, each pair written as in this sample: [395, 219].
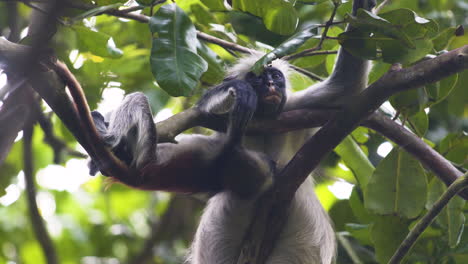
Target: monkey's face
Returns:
[271, 91]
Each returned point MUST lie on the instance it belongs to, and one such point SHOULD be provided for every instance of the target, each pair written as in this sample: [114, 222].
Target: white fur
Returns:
[220, 103]
[245, 64]
[307, 238]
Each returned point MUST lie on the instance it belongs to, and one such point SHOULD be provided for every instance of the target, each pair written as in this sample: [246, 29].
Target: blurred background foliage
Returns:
[94, 221]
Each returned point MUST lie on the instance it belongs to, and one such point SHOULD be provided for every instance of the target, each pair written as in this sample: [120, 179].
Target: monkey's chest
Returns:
[279, 147]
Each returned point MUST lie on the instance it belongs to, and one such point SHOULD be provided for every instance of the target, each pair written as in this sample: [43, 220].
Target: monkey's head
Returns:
[270, 86]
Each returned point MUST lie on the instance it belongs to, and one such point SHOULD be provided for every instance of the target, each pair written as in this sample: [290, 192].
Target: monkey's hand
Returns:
[234, 99]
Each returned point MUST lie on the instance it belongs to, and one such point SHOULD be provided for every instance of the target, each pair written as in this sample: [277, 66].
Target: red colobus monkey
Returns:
[234, 167]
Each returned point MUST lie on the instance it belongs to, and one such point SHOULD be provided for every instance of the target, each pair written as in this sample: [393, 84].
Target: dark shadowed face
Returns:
[271, 91]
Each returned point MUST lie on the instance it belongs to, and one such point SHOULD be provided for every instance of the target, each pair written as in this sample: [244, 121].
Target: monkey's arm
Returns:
[349, 77]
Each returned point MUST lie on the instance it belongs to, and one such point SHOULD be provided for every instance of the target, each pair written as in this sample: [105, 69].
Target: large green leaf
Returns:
[287, 47]
[355, 159]
[214, 5]
[454, 147]
[442, 40]
[174, 60]
[419, 123]
[96, 42]
[438, 91]
[400, 34]
[397, 187]
[387, 233]
[279, 16]
[409, 102]
[451, 218]
[369, 22]
[215, 73]
[357, 205]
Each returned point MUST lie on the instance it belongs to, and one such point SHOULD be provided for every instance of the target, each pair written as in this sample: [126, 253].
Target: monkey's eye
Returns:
[277, 76]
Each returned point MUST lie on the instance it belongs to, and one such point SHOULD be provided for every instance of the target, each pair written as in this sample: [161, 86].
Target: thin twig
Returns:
[457, 186]
[324, 35]
[223, 43]
[307, 73]
[314, 53]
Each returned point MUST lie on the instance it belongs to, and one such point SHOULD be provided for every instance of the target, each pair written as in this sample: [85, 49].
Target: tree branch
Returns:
[36, 220]
[328, 24]
[430, 158]
[457, 186]
[271, 209]
[108, 163]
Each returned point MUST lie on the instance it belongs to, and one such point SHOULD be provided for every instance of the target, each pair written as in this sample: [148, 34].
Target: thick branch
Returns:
[272, 207]
[13, 115]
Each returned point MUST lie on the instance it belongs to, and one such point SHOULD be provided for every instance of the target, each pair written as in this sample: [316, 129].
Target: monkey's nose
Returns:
[271, 88]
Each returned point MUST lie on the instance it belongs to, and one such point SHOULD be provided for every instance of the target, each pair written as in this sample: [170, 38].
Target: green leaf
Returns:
[387, 233]
[454, 147]
[203, 16]
[341, 213]
[282, 19]
[357, 205]
[359, 44]
[398, 186]
[361, 135]
[95, 11]
[378, 69]
[442, 40]
[279, 16]
[299, 82]
[174, 61]
[419, 123]
[11, 166]
[360, 232]
[214, 5]
[395, 52]
[438, 91]
[456, 101]
[369, 22]
[329, 44]
[451, 218]
[409, 102]
[356, 160]
[215, 73]
[411, 24]
[400, 34]
[287, 47]
[96, 42]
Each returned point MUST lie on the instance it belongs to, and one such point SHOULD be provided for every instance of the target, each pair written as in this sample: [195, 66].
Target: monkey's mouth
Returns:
[272, 98]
